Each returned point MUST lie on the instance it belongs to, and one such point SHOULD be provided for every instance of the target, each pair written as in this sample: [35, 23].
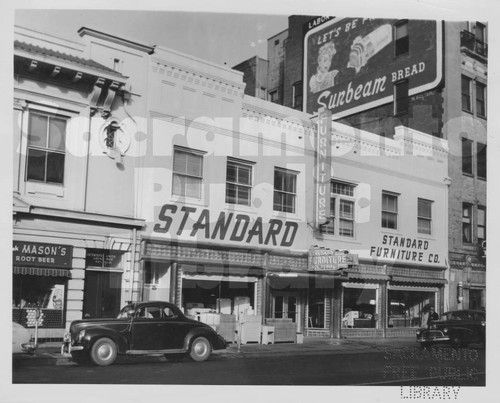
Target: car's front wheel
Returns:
[103, 352]
[200, 349]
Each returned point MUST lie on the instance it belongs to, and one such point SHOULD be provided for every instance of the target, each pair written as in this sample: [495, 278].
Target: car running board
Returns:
[152, 352]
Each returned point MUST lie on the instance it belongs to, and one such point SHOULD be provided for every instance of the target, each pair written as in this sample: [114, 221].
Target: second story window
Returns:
[466, 157]
[46, 148]
[424, 216]
[238, 182]
[466, 223]
[285, 190]
[402, 40]
[341, 201]
[389, 210]
[187, 174]
[466, 94]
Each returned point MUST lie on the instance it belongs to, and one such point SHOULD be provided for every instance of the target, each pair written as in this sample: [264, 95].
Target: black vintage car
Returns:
[457, 328]
[143, 328]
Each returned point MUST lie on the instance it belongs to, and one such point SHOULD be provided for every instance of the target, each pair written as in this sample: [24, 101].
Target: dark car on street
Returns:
[142, 328]
[457, 328]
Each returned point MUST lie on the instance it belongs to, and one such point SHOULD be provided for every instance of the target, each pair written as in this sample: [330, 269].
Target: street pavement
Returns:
[48, 353]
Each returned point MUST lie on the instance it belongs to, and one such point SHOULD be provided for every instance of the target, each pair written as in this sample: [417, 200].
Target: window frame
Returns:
[283, 192]
[480, 28]
[401, 97]
[467, 222]
[340, 192]
[198, 153]
[46, 149]
[298, 86]
[421, 218]
[467, 157]
[274, 96]
[467, 94]
[481, 224]
[401, 44]
[387, 212]
[239, 164]
[481, 103]
[481, 161]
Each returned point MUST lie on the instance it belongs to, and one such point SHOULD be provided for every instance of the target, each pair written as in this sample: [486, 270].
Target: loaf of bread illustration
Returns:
[363, 48]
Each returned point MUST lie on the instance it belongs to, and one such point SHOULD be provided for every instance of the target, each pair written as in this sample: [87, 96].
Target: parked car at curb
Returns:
[21, 339]
[457, 328]
[144, 328]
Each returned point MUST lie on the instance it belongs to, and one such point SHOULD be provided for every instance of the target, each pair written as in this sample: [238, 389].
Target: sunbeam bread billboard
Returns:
[353, 64]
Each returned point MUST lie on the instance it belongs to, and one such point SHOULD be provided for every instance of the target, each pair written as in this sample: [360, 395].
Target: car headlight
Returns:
[419, 332]
[81, 335]
[445, 330]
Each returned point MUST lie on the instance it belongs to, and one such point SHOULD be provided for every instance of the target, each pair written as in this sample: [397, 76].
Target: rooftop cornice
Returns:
[84, 31]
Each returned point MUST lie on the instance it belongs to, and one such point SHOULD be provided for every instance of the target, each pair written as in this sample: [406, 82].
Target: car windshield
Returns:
[126, 312]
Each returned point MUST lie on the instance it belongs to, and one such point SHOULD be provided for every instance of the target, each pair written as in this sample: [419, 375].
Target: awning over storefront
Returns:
[367, 276]
[42, 271]
[217, 271]
[301, 279]
[419, 280]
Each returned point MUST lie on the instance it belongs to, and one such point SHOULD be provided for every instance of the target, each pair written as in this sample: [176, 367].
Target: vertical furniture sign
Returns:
[323, 166]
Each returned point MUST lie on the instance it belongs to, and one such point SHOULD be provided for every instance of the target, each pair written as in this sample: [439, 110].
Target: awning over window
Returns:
[42, 271]
[208, 270]
[367, 276]
[419, 280]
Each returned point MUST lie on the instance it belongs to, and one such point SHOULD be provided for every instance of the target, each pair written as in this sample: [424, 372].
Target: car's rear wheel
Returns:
[103, 352]
[200, 349]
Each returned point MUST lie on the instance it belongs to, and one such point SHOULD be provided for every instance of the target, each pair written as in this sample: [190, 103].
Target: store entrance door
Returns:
[102, 294]
[286, 305]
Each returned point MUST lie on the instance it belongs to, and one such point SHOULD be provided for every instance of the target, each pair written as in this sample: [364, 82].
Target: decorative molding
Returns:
[56, 71]
[33, 65]
[77, 77]
[197, 77]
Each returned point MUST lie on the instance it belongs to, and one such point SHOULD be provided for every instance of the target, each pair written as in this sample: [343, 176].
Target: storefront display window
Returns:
[359, 307]
[316, 308]
[217, 295]
[45, 292]
[408, 308]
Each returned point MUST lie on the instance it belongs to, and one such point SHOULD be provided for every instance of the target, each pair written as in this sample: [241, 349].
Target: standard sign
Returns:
[326, 259]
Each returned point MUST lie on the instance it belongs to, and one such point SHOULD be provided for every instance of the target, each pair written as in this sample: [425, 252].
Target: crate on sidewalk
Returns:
[284, 329]
[227, 327]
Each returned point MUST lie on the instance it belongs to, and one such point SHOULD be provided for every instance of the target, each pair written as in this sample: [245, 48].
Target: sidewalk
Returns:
[51, 352]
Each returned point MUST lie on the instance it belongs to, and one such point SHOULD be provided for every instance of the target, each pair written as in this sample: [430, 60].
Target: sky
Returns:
[222, 38]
